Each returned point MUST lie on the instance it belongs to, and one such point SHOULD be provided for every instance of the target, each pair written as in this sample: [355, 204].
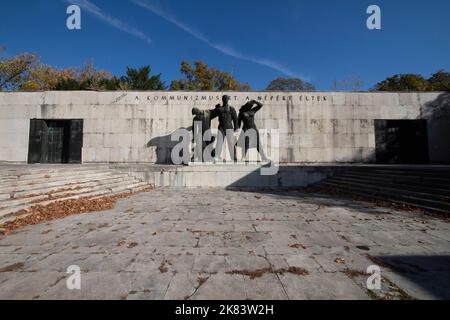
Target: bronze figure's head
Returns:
[225, 99]
[196, 112]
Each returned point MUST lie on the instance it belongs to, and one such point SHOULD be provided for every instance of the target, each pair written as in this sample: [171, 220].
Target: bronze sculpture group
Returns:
[229, 122]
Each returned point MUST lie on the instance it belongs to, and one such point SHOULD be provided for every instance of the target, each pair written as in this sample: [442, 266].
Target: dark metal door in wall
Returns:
[401, 141]
[76, 141]
[35, 142]
[55, 141]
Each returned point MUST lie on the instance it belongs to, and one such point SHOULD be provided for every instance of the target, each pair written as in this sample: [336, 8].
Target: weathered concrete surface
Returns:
[230, 175]
[130, 127]
[163, 244]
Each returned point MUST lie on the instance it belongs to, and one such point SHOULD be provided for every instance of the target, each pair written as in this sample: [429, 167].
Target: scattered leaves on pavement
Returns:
[61, 209]
[351, 273]
[260, 272]
[340, 192]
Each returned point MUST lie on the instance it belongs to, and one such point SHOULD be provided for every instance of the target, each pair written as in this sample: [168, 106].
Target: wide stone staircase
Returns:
[422, 187]
[22, 187]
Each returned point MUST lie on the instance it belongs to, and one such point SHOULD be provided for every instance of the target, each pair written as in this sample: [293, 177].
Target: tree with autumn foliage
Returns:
[25, 72]
[200, 77]
[86, 77]
[14, 71]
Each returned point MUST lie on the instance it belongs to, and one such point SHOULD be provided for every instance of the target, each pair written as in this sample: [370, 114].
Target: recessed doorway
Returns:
[55, 141]
[401, 141]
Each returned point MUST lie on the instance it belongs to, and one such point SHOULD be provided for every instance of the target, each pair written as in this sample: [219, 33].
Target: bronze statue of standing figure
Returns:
[228, 121]
[250, 132]
[201, 128]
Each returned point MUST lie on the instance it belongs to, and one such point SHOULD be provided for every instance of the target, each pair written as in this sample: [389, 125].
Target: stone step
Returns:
[6, 179]
[25, 171]
[399, 191]
[110, 191]
[76, 189]
[129, 188]
[53, 176]
[416, 181]
[392, 184]
[59, 180]
[386, 199]
[430, 171]
[440, 178]
[136, 187]
[40, 186]
[48, 175]
[379, 192]
[140, 186]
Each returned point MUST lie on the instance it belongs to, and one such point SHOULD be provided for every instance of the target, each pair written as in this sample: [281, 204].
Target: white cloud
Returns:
[227, 50]
[114, 22]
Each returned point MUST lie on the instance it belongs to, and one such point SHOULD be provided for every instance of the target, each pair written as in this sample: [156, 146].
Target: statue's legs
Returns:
[221, 136]
[251, 143]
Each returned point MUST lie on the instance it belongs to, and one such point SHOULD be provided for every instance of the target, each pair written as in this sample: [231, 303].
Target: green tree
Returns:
[403, 82]
[86, 77]
[112, 84]
[290, 84]
[202, 78]
[89, 78]
[140, 79]
[440, 81]
[72, 84]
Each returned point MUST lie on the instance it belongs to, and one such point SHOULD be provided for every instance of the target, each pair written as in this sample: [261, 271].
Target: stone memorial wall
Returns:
[136, 127]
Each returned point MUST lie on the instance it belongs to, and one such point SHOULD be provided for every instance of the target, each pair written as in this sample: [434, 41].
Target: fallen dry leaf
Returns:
[339, 260]
[354, 273]
[132, 245]
[162, 268]
[297, 246]
[12, 267]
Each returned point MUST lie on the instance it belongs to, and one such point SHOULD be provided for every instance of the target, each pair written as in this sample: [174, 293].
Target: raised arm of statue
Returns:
[258, 107]
[214, 113]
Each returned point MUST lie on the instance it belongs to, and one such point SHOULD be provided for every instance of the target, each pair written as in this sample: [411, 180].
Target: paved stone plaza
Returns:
[216, 244]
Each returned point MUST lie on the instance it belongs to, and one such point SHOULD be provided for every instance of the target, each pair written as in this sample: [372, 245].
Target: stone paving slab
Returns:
[219, 244]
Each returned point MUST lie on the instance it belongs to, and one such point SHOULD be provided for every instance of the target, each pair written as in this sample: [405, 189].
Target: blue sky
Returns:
[256, 40]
